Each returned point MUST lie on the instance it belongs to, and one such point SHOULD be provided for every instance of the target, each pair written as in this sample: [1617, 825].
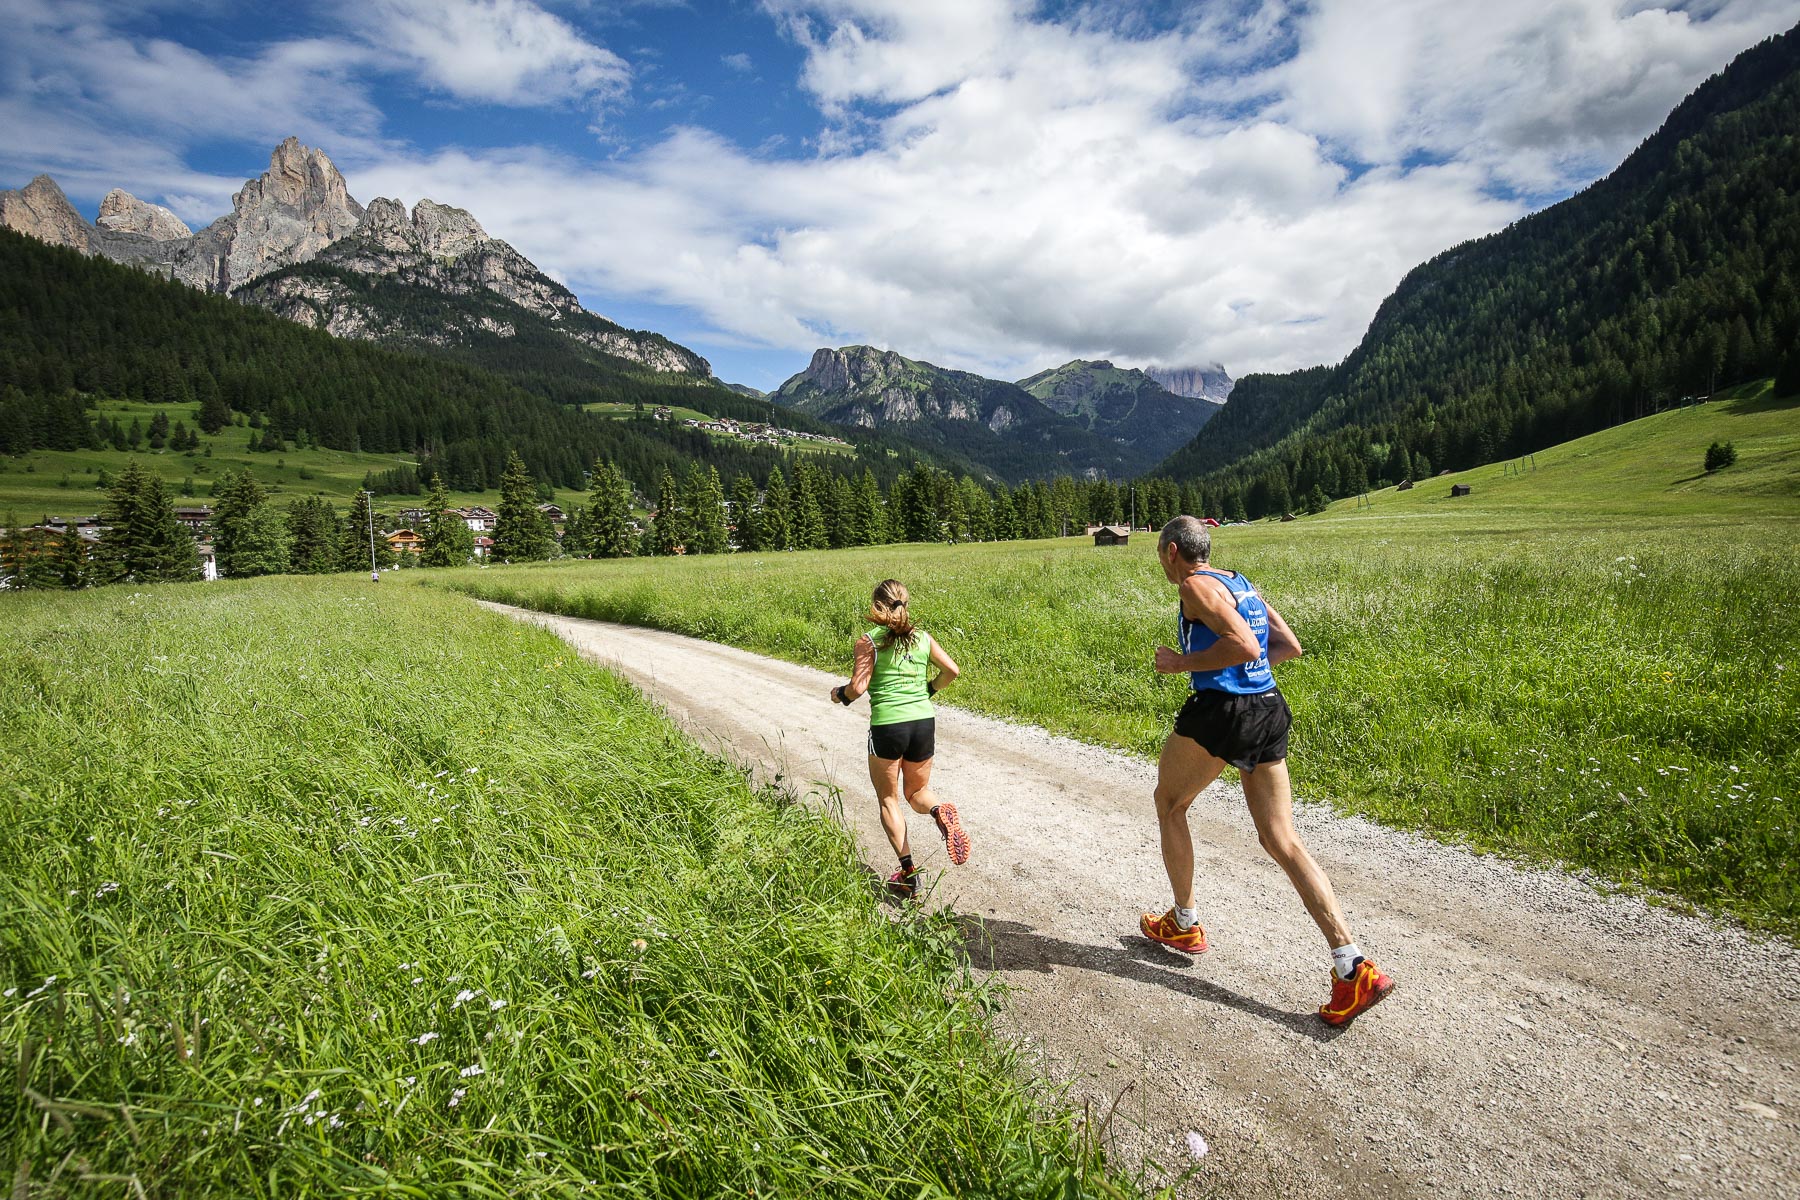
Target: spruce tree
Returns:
[576, 540]
[521, 533]
[670, 529]
[142, 541]
[609, 513]
[705, 512]
[772, 517]
[743, 513]
[808, 531]
[359, 533]
[71, 558]
[871, 514]
[250, 535]
[449, 542]
[313, 526]
[1787, 379]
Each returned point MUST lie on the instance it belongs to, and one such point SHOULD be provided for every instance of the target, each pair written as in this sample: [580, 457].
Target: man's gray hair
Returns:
[1189, 536]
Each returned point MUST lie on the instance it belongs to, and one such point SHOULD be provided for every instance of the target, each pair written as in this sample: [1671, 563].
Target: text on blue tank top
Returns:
[1245, 679]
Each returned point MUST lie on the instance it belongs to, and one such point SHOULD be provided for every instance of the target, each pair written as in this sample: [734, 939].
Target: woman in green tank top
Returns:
[893, 665]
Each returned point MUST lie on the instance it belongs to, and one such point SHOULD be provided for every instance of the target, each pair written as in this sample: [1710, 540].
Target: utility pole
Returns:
[374, 572]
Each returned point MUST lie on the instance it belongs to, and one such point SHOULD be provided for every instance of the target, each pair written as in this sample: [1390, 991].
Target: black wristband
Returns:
[842, 697]
[931, 689]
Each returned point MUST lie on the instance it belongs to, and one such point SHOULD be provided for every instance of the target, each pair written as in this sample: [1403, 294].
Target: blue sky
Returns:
[996, 185]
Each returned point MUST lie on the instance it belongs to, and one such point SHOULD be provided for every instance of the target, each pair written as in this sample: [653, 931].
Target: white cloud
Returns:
[737, 62]
[500, 51]
[990, 189]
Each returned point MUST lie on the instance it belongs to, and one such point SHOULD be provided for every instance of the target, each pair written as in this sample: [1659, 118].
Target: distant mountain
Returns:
[1125, 404]
[998, 426]
[1677, 273]
[297, 243]
[1202, 383]
[744, 389]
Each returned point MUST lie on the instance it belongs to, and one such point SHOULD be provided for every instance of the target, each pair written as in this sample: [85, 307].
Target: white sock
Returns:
[1344, 960]
[1186, 918]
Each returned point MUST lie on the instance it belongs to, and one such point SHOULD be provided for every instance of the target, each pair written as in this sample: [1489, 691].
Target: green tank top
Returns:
[897, 690]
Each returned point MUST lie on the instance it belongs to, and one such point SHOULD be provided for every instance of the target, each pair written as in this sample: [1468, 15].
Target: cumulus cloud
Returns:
[737, 62]
[987, 187]
[500, 51]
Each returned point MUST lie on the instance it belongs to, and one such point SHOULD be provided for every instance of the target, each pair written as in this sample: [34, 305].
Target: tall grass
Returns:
[309, 888]
[1623, 698]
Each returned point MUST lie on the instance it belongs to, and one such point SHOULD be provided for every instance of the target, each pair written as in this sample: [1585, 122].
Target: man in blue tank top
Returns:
[1235, 715]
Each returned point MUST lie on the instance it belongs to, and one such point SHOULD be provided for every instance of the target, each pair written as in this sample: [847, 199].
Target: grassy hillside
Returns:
[1597, 662]
[63, 483]
[497, 931]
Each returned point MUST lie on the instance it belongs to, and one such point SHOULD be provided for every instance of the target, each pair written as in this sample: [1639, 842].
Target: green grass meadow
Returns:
[309, 887]
[1597, 661]
[64, 483]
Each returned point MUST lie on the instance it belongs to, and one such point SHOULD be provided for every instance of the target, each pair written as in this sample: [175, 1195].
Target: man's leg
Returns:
[1272, 808]
[1183, 772]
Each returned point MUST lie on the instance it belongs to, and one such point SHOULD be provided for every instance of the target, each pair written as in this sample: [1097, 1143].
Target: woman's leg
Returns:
[884, 773]
[918, 785]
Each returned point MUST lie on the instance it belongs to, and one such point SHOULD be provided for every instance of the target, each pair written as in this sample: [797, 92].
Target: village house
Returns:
[1111, 535]
[194, 516]
[484, 547]
[405, 541]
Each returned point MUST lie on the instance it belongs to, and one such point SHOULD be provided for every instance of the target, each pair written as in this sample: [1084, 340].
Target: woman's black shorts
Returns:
[915, 741]
[1245, 731]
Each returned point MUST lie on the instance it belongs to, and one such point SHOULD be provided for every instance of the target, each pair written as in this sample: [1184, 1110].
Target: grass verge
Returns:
[311, 889]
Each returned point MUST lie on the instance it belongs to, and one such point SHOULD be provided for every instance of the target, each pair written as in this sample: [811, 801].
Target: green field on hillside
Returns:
[1598, 661]
[312, 888]
[63, 483]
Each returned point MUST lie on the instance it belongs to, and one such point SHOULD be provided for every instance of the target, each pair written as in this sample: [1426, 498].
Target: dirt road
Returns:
[1545, 1040]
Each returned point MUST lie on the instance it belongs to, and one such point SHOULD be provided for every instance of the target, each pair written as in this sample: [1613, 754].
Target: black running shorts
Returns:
[1245, 731]
[915, 741]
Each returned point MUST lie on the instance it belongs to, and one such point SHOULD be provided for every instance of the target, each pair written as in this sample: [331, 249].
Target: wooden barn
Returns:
[1112, 535]
[1459, 489]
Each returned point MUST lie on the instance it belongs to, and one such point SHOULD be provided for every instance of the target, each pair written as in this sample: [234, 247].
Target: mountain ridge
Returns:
[299, 213]
[1123, 403]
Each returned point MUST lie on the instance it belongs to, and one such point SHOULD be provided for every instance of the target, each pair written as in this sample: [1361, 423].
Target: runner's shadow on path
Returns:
[1013, 946]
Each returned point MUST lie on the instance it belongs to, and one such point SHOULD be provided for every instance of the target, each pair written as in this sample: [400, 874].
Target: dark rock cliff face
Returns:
[1201, 383]
[299, 213]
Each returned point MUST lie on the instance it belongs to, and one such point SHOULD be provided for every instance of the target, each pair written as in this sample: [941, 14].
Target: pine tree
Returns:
[808, 531]
[1787, 379]
[449, 542]
[359, 535]
[71, 558]
[609, 513]
[313, 526]
[772, 517]
[142, 541]
[743, 513]
[577, 541]
[520, 533]
[705, 512]
[871, 513]
[671, 530]
[250, 535]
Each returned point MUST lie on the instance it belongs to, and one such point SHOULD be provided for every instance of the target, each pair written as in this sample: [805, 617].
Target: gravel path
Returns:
[1545, 1039]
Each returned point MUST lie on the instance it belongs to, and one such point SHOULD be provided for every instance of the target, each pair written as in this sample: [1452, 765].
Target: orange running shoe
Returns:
[954, 838]
[1357, 994]
[1191, 940]
[904, 885]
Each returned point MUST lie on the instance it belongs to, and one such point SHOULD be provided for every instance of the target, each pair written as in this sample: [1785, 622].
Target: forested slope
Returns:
[1676, 274]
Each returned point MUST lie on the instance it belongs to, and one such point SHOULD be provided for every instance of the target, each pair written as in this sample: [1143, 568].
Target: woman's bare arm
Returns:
[862, 671]
[947, 669]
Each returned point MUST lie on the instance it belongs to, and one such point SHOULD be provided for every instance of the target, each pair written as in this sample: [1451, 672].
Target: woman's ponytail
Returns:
[888, 606]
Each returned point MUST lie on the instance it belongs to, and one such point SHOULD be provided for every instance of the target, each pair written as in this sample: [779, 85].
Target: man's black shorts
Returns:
[915, 741]
[1245, 731]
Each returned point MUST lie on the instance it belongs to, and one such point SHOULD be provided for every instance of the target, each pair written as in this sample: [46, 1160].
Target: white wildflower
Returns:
[424, 1039]
[496, 1005]
[457, 1095]
[472, 1070]
[463, 997]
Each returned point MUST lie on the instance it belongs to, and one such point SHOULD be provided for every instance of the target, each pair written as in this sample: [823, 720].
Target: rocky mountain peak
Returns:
[1208, 382]
[41, 210]
[446, 232]
[295, 209]
[123, 212]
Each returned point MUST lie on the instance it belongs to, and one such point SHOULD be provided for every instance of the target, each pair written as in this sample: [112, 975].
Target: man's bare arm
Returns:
[1283, 645]
[1218, 612]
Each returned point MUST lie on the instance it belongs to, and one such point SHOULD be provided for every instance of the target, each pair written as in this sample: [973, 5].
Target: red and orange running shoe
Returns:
[1191, 940]
[1366, 988]
[905, 884]
[954, 838]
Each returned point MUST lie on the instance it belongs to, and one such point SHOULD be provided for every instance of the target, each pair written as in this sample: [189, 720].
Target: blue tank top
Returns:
[1245, 679]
